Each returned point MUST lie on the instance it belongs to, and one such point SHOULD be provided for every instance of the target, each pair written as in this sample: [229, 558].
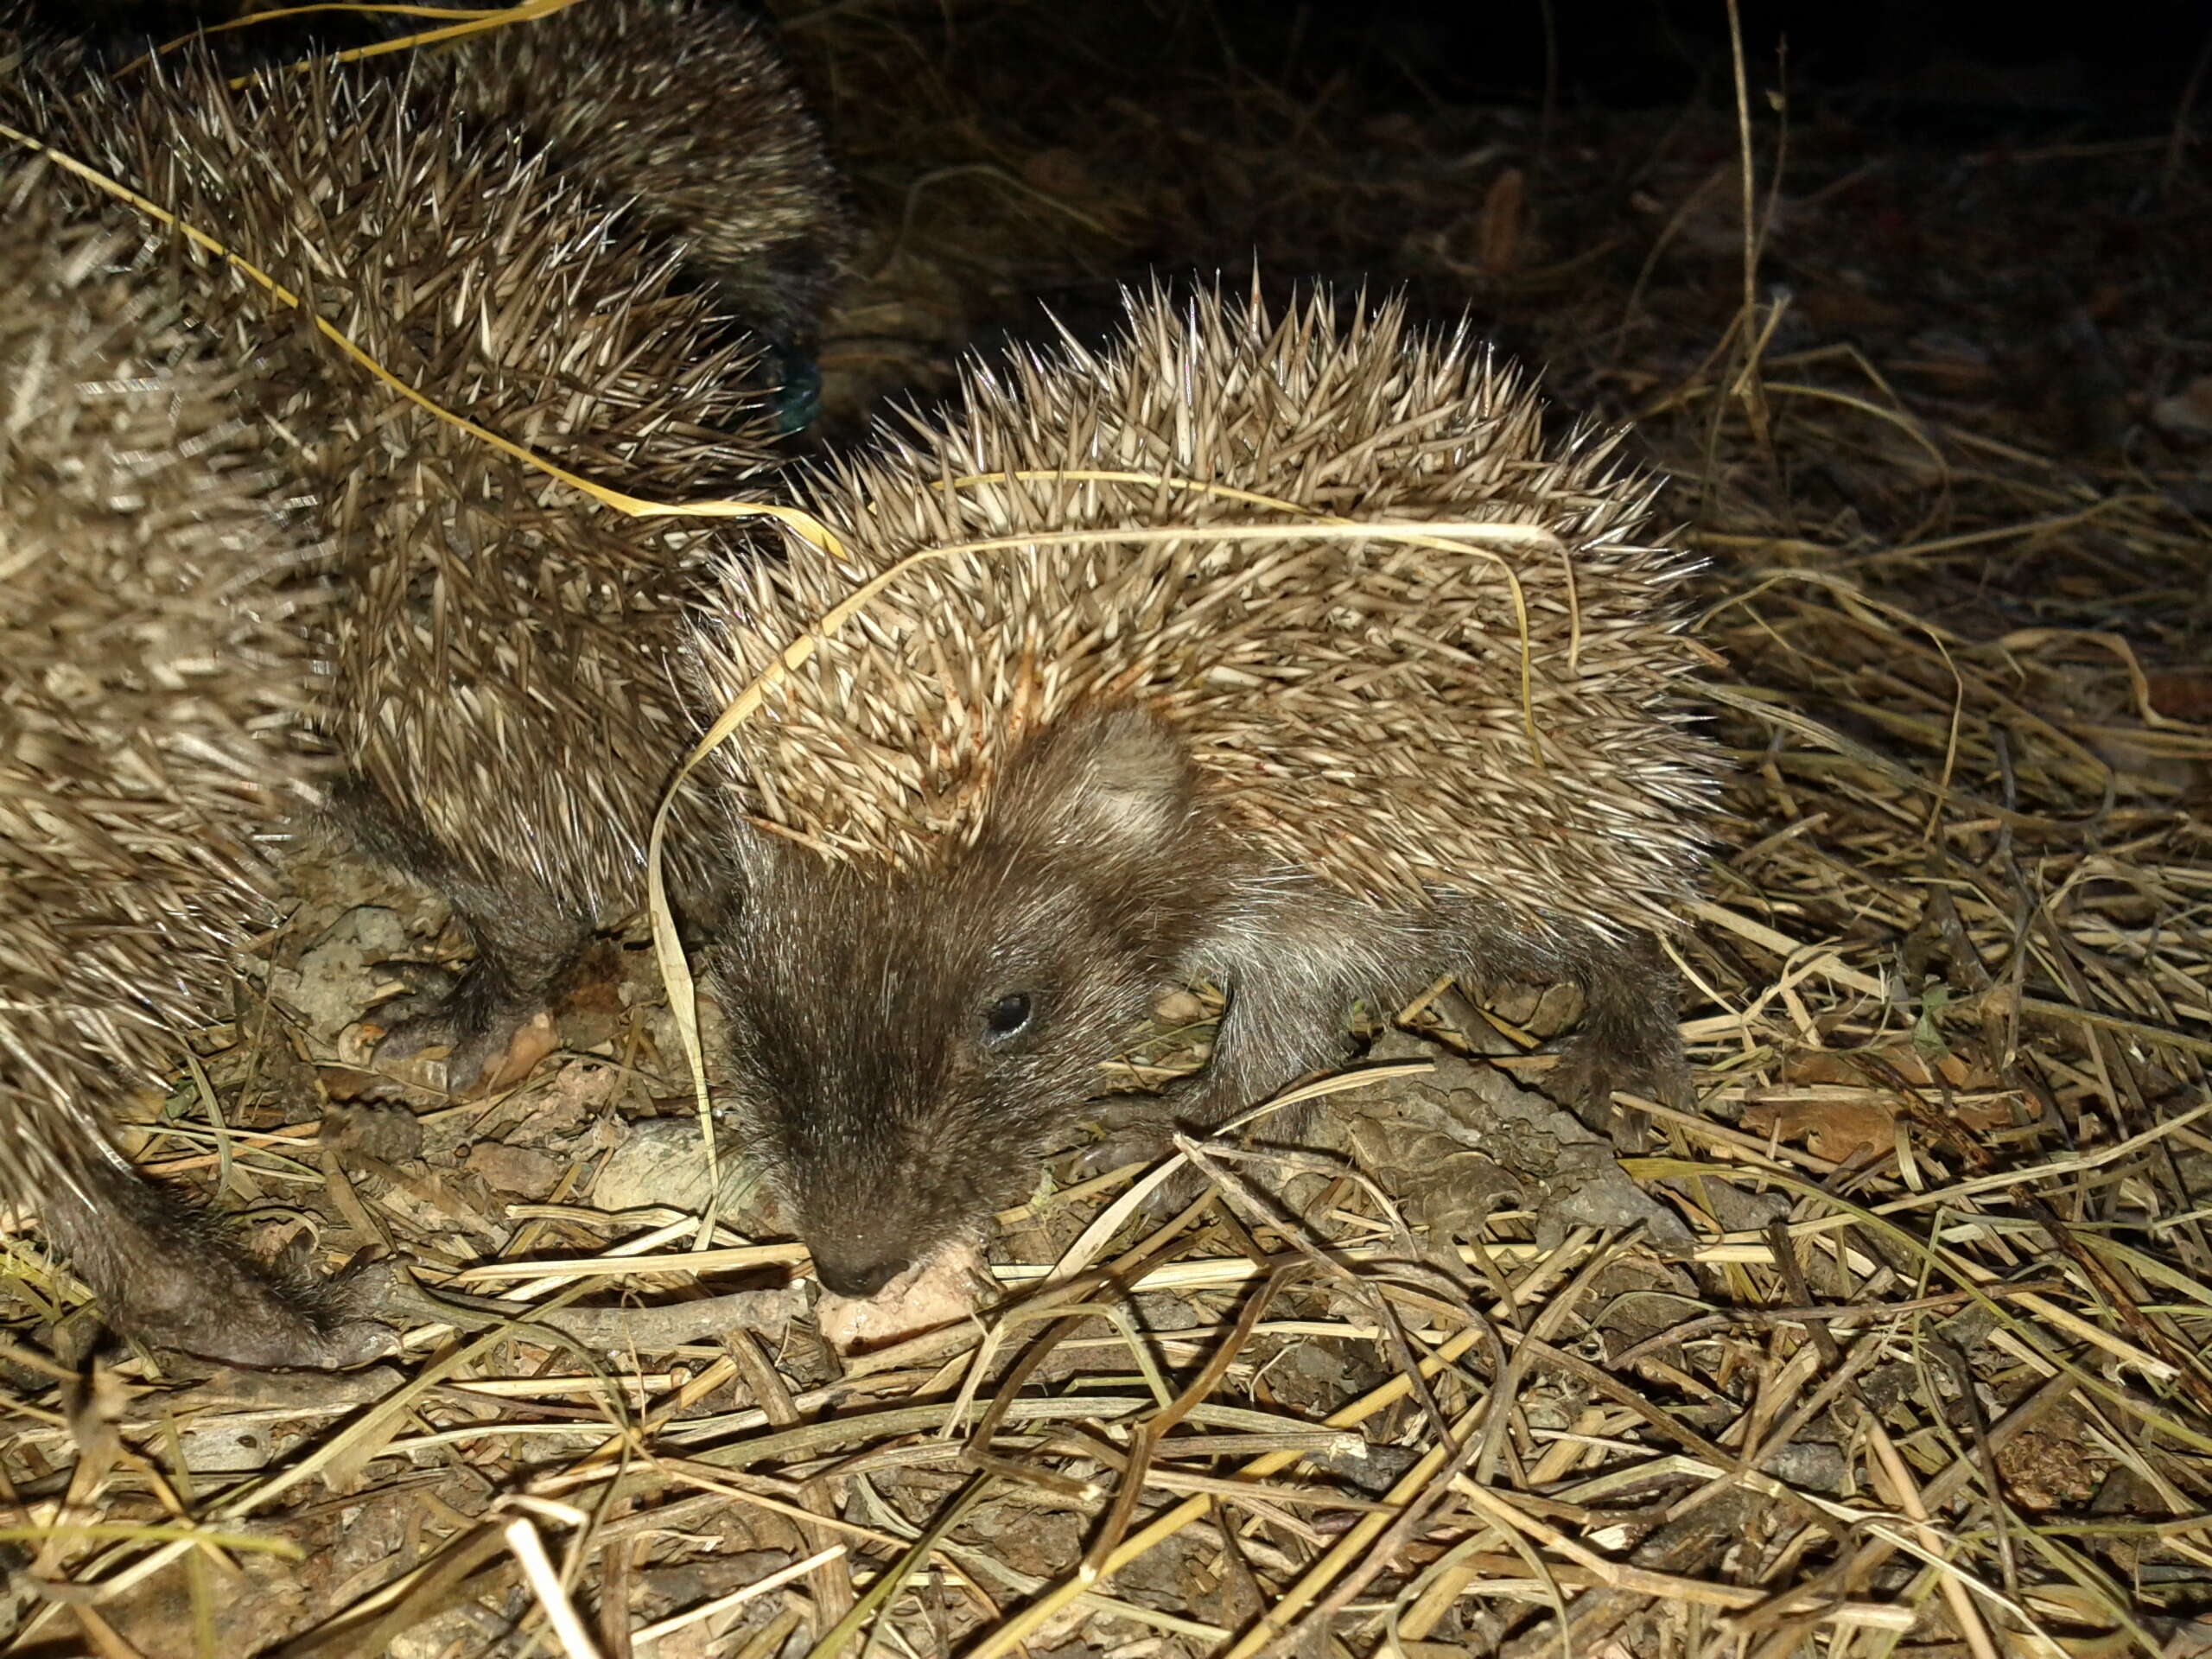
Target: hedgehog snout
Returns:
[862, 1240]
[852, 1267]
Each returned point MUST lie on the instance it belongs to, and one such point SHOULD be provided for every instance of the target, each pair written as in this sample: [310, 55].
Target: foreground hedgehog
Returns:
[983, 825]
[487, 663]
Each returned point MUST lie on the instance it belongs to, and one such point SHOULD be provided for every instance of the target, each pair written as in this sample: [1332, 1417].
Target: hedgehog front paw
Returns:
[1131, 1129]
[242, 1318]
[171, 1274]
[1584, 1079]
[1591, 1066]
[493, 1034]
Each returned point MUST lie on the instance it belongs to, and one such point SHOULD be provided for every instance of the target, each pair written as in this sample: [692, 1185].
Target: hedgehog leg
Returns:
[1289, 1014]
[1631, 1035]
[1628, 1035]
[1275, 1030]
[1292, 982]
[496, 1020]
[1295, 961]
[171, 1274]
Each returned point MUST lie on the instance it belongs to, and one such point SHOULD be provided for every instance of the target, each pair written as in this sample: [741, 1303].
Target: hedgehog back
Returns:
[501, 655]
[644, 97]
[1355, 705]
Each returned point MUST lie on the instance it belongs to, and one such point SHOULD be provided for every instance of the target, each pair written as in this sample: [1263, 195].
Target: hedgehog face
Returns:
[907, 1044]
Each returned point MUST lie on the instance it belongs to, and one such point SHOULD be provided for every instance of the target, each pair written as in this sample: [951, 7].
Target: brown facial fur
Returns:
[891, 1114]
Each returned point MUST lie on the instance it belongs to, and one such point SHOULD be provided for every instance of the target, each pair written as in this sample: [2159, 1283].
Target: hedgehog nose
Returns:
[859, 1279]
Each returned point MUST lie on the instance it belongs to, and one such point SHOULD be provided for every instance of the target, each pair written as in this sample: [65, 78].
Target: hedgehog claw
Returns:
[1584, 1079]
[1591, 1069]
[329, 1327]
[1120, 1144]
[426, 982]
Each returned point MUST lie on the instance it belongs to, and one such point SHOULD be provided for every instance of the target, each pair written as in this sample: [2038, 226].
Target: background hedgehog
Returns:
[687, 108]
[501, 696]
[497, 693]
[986, 822]
[151, 639]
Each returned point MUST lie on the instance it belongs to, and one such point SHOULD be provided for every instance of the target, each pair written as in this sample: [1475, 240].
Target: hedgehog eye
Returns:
[1006, 1016]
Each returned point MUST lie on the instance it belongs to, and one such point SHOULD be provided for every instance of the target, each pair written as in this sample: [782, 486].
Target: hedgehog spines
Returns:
[1356, 704]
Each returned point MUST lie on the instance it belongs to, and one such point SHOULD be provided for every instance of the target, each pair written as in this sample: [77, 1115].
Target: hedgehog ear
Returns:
[1121, 779]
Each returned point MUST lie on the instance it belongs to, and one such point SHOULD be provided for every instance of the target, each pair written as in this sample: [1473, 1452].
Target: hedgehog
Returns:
[487, 666]
[687, 108]
[502, 698]
[153, 672]
[975, 833]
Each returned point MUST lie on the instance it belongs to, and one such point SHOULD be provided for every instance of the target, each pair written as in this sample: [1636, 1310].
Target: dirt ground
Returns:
[1895, 1345]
